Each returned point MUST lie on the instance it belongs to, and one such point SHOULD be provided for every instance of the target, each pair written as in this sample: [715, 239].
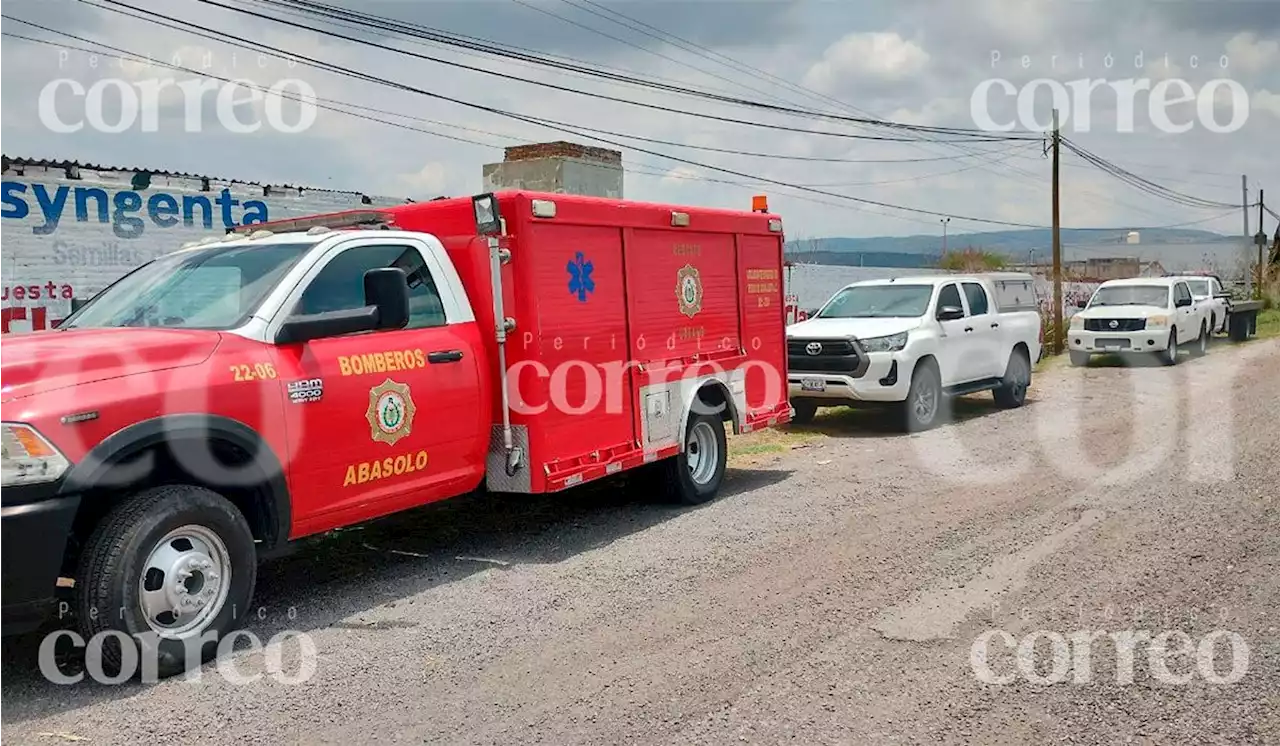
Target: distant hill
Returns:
[1016, 242]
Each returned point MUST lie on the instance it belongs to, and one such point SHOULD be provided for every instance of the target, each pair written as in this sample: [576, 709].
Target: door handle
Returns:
[444, 356]
[994, 324]
[968, 328]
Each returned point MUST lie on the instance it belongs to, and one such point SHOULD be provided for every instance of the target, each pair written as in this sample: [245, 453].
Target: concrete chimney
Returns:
[563, 167]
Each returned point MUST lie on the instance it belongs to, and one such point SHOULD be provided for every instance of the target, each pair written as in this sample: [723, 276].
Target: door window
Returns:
[977, 296]
[1181, 293]
[340, 284]
[949, 296]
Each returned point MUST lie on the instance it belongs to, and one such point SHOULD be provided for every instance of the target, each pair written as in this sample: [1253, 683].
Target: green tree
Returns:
[972, 259]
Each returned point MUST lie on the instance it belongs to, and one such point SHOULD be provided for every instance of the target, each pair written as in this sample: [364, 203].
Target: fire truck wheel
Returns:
[694, 476]
[173, 566]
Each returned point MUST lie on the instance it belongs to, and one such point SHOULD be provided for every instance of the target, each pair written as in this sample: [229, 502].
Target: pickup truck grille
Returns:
[836, 356]
[1121, 325]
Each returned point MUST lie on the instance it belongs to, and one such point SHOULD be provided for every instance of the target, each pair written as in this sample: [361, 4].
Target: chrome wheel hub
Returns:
[185, 581]
[702, 452]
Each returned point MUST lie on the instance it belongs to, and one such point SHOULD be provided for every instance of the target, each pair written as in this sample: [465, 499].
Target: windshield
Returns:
[1131, 295]
[1199, 288]
[213, 288]
[878, 302]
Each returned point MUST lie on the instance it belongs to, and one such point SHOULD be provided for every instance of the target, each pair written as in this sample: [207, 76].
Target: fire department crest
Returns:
[390, 411]
[689, 290]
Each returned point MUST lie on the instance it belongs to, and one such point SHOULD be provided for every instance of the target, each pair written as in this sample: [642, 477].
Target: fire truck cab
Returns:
[299, 376]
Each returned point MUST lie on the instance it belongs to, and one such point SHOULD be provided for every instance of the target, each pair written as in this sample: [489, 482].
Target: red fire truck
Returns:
[299, 376]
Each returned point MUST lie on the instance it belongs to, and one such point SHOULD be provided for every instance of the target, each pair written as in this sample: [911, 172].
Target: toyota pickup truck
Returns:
[913, 342]
[1146, 316]
[233, 396]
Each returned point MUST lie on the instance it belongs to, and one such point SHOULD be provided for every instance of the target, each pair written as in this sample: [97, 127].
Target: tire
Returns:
[693, 476]
[1079, 359]
[805, 411]
[1017, 379]
[1169, 356]
[174, 529]
[925, 385]
[1213, 323]
[1202, 342]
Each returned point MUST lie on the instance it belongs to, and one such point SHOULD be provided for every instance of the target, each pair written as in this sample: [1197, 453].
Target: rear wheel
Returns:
[170, 564]
[1079, 359]
[1202, 343]
[1017, 379]
[694, 475]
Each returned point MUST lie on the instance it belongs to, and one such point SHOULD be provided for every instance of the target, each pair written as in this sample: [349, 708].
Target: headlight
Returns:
[1077, 322]
[1157, 321]
[28, 458]
[891, 343]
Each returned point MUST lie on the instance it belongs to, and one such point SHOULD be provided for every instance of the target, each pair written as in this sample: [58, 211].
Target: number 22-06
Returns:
[255, 372]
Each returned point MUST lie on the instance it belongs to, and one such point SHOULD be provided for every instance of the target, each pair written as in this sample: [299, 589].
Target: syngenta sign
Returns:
[128, 212]
[115, 105]
[1170, 105]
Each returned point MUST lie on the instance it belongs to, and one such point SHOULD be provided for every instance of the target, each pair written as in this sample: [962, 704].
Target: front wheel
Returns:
[1202, 342]
[694, 475]
[805, 409]
[1169, 356]
[175, 565]
[926, 404]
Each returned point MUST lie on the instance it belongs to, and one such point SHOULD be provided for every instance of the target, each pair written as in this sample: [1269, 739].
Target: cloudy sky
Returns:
[914, 61]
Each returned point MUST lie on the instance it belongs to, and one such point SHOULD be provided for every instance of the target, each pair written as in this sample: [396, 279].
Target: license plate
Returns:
[1113, 344]
[813, 384]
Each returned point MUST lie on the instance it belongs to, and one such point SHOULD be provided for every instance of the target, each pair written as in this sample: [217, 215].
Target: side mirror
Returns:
[1082, 303]
[386, 298]
[950, 313]
[1180, 302]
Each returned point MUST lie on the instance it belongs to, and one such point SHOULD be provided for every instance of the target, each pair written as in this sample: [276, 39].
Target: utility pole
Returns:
[1057, 246]
[1244, 204]
[1262, 242]
[944, 222]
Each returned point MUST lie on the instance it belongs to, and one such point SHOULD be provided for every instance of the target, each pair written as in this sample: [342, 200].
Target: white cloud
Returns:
[1267, 101]
[881, 55]
[1247, 53]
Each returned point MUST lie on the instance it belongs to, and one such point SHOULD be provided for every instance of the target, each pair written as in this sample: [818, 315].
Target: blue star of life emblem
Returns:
[580, 282]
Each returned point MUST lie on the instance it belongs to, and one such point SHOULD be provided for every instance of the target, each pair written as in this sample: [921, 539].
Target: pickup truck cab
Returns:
[1207, 291]
[233, 396]
[1156, 315]
[915, 341]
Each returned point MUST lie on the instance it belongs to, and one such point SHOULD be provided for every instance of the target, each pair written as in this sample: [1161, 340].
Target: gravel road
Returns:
[834, 595]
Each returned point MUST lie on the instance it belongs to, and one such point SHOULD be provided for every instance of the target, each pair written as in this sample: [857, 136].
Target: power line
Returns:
[1143, 184]
[382, 24]
[558, 126]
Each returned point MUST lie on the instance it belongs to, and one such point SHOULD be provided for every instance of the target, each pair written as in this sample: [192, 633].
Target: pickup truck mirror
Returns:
[950, 313]
[1180, 302]
[386, 297]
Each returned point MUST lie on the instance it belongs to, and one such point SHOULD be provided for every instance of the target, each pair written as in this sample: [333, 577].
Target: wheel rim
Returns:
[924, 403]
[702, 451]
[184, 582]
[1204, 341]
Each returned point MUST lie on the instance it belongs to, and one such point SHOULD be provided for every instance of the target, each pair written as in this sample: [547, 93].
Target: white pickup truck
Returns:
[1155, 315]
[914, 342]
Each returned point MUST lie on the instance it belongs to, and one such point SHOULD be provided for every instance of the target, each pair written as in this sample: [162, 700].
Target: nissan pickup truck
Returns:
[1144, 316]
[291, 378]
[914, 342]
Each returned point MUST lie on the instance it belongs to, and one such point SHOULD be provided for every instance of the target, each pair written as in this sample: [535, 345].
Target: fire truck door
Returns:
[379, 421]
